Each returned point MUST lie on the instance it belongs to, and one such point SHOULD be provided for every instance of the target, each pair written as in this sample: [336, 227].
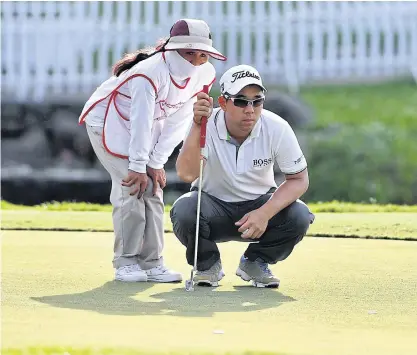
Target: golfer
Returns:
[135, 119]
[240, 200]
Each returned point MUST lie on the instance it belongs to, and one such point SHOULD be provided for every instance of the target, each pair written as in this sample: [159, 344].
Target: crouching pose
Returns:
[240, 200]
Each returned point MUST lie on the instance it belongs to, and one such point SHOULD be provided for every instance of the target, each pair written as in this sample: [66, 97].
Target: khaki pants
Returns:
[138, 223]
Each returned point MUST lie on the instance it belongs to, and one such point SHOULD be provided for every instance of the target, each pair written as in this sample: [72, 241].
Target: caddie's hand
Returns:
[158, 178]
[202, 107]
[253, 224]
[138, 180]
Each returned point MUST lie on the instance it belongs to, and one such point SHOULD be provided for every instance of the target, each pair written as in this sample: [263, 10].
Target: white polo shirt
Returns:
[244, 173]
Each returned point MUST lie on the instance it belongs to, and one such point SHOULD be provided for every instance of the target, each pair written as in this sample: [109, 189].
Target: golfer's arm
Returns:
[188, 161]
[290, 190]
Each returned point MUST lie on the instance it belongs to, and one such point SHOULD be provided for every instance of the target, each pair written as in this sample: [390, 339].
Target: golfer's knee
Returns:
[183, 212]
[299, 217]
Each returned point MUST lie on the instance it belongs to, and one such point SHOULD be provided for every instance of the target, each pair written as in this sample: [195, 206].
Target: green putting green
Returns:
[337, 296]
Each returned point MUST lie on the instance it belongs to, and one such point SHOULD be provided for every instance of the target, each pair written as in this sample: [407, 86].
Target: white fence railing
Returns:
[65, 49]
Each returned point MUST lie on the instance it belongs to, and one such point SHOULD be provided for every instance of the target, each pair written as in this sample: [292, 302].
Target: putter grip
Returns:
[203, 126]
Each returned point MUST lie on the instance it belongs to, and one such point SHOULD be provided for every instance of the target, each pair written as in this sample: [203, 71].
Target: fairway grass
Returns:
[390, 225]
[331, 206]
[337, 296]
[122, 351]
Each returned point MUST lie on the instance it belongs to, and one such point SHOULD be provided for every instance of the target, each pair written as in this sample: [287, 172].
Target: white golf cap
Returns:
[236, 78]
[192, 34]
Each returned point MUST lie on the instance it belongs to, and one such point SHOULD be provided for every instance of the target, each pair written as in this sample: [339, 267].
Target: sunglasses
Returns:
[240, 102]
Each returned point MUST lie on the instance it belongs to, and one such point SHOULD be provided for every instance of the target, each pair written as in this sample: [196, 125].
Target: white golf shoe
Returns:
[130, 273]
[161, 273]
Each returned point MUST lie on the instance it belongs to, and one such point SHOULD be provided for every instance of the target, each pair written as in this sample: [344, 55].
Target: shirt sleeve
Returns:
[142, 109]
[290, 157]
[172, 134]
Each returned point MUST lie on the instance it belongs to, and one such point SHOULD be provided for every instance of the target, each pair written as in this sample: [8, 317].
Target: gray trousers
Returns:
[217, 224]
[138, 223]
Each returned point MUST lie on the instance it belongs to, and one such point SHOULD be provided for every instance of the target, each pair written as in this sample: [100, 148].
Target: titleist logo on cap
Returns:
[242, 74]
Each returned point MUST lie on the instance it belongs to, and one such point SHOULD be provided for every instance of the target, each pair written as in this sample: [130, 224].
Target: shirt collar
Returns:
[257, 128]
[224, 134]
[221, 126]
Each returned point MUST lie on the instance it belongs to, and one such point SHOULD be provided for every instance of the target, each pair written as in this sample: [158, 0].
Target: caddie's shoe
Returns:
[210, 277]
[258, 272]
[161, 273]
[130, 273]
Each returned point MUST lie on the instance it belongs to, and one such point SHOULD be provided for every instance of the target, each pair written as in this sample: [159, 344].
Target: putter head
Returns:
[189, 285]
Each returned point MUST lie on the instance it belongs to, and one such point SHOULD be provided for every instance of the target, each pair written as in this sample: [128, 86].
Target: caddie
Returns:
[134, 120]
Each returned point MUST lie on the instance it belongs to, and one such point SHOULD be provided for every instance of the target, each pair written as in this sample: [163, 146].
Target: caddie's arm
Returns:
[141, 118]
[188, 161]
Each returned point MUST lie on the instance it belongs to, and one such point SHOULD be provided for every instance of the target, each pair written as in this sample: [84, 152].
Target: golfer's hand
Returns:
[138, 180]
[158, 178]
[202, 107]
[253, 224]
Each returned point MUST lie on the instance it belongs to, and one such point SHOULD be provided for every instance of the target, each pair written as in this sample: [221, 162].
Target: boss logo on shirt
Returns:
[259, 163]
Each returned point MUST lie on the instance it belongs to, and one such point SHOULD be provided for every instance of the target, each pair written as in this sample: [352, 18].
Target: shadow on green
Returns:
[117, 298]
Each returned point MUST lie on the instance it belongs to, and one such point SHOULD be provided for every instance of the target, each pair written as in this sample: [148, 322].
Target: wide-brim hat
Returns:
[192, 34]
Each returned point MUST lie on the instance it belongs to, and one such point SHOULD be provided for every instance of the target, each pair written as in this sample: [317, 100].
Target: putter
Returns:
[189, 284]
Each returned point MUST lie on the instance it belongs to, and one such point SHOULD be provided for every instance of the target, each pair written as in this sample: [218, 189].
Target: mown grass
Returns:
[120, 351]
[350, 225]
[333, 206]
[58, 293]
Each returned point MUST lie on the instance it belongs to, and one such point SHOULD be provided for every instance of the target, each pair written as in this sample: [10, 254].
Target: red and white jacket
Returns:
[144, 112]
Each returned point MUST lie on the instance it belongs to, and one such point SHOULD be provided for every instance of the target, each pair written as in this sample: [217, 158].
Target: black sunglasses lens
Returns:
[258, 102]
[243, 103]
[240, 102]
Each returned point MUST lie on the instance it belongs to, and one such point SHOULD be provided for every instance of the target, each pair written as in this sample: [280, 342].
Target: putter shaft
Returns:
[197, 229]
[200, 184]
